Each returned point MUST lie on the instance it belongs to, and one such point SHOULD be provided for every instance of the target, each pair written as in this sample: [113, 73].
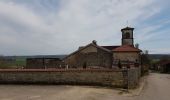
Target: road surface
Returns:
[157, 88]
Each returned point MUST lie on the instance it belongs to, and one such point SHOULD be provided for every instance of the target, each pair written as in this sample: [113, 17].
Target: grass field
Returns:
[14, 63]
[20, 61]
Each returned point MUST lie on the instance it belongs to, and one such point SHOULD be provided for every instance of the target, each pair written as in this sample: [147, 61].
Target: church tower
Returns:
[127, 36]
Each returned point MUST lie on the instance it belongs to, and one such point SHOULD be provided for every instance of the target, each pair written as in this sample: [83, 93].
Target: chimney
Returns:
[94, 42]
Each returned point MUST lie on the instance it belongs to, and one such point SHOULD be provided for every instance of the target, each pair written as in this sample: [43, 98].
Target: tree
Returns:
[145, 62]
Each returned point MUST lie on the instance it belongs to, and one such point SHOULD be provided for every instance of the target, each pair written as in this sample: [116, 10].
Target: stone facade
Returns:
[133, 77]
[127, 36]
[90, 56]
[127, 56]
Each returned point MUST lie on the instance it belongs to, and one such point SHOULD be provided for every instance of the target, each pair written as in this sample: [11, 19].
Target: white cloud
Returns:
[73, 23]
[20, 15]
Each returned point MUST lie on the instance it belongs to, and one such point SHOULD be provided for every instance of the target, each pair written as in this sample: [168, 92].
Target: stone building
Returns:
[127, 55]
[90, 56]
[164, 66]
[95, 56]
[107, 56]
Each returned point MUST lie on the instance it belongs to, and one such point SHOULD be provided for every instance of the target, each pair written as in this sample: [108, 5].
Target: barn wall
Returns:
[91, 56]
[35, 63]
[42, 63]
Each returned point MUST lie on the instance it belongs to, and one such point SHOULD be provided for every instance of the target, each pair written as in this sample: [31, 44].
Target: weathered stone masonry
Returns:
[106, 77]
[91, 56]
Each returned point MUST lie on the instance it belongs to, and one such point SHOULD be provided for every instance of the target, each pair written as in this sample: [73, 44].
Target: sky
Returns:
[52, 27]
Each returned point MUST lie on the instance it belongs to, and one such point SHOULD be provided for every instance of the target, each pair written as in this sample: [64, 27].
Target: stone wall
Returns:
[107, 77]
[133, 77]
[126, 56]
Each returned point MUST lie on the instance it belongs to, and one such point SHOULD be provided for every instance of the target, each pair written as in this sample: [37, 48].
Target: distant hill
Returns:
[158, 56]
[20, 61]
[152, 56]
[35, 56]
[47, 56]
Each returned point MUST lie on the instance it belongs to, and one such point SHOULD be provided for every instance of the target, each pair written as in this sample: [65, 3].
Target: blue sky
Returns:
[35, 27]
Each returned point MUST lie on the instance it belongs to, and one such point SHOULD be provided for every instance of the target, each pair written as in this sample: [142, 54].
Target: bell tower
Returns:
[127, 36]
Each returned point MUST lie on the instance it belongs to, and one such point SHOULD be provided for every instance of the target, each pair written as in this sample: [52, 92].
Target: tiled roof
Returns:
[126, 48]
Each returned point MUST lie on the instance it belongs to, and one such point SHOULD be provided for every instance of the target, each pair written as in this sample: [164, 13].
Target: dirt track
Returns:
[157, 88]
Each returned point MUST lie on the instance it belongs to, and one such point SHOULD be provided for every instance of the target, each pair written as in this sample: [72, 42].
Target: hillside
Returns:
[158, 56]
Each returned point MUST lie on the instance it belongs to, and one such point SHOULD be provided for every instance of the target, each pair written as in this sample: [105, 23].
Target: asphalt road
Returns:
[157, 88]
